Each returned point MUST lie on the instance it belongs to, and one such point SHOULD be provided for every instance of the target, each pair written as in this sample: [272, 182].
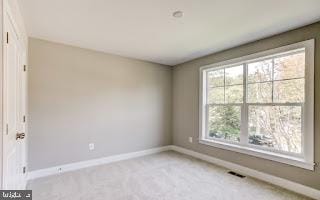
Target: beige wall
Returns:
[78, 96]
[186, 108]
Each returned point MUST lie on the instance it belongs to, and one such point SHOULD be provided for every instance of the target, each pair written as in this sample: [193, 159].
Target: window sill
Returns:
[289, 160]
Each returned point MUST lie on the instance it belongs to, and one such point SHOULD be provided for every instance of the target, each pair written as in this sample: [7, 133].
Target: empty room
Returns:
[160, 99]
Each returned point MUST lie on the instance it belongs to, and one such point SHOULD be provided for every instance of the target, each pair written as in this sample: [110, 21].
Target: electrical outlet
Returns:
[190, 139]
[91, 146]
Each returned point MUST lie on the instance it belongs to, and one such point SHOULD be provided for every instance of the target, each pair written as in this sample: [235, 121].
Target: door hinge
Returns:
[7, 37]
[7, 129]
[24, 119]
[24, 68]
[24, 170]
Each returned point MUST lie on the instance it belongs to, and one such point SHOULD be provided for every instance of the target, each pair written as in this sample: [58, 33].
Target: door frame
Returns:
[1, 90]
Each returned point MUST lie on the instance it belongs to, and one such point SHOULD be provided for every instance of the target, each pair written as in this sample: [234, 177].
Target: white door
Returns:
[12, 146]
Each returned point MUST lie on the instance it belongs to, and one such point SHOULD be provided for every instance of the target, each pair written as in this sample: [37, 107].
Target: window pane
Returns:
[260, 92]
[216, 95]
[234, 75]
[216, 78]
[288, 67]
[277, 127]
[260, 71]
[289, 91]
[224, 122]
[234, 94]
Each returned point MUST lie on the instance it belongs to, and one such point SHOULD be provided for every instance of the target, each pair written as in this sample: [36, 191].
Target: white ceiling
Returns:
[145, 29]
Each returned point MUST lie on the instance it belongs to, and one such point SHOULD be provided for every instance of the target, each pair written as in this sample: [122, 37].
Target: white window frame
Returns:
[306, 158]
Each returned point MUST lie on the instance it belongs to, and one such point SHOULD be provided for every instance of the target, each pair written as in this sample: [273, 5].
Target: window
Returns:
[262, 104]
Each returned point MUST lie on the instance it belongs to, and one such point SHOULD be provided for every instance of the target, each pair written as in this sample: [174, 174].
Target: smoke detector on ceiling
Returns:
[177, 14]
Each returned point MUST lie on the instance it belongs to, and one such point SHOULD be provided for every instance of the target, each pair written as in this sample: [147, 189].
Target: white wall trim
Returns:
[290, 185]
[94, 162]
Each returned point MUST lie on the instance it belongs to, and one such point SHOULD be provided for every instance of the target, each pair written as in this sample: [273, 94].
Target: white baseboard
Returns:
[290, 185]
[94, 162]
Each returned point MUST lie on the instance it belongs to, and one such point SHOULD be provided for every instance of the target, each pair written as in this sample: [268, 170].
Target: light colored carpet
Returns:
[163, 176]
